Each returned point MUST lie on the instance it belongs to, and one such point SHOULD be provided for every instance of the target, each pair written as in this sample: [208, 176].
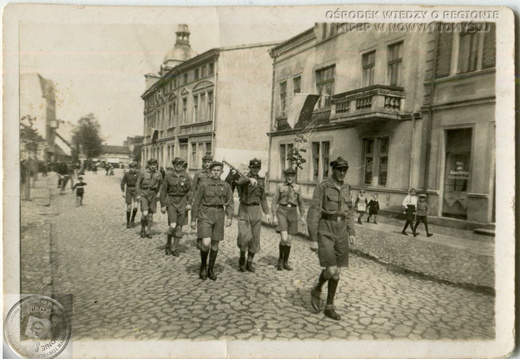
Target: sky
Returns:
[98, 58]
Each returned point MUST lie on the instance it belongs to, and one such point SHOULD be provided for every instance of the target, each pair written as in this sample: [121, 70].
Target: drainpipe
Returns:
[271, 121]
[430, 113]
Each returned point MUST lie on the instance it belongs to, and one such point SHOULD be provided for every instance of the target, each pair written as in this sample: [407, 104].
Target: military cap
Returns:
[133, 164]
[215, 163]
[289, 171]
[177, 160]
[255, 162]
[152, 161]
[339, 163]
[207, 158]
[423, 195]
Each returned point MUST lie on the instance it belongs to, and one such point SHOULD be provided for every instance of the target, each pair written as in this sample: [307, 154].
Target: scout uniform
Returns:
[253, 200]
[287, 196]
[175, 196]
[199, 177]
[212, 201]
[130, 180]
[330, 221]
[148, 184]
[422, 215]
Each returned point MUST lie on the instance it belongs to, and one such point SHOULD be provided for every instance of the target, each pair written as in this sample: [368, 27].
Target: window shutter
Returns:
[444, 54]
[489, 54]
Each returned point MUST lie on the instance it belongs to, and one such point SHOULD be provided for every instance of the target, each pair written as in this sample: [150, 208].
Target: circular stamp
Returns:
[37, 327]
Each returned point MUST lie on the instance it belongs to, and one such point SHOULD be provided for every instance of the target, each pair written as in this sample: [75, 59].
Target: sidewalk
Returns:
[36, 236]
[452, 255]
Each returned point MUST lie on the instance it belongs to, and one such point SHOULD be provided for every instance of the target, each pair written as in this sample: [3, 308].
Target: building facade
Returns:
[37, 101]
[215, 103]
[381, 108]
[117, 156]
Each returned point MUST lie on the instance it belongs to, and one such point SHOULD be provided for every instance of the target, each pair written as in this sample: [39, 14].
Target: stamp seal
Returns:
[37, 327]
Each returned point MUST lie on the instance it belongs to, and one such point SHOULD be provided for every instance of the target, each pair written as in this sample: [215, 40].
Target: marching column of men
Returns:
[330, 217]
[128, 183]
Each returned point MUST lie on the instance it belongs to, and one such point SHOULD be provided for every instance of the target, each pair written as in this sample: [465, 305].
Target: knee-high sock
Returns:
[333, 285]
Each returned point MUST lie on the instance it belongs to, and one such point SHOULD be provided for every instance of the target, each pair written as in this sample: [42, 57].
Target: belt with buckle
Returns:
[336, 217]
[287, 205]
[250, 204]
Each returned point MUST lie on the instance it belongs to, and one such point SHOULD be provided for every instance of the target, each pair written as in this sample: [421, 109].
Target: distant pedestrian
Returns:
[212, 203]
[373, 208]
[361, 205]
[128, 187]
[63, 176]
[198, 178]
[422, 215]
[175, 197]
[287, 198]
[80, 191]
[253, 201]
[330, 221]
[232, 178]
[409, 204]
[148, 184]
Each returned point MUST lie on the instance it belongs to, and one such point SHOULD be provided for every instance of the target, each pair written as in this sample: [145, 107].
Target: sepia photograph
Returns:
[258, 182]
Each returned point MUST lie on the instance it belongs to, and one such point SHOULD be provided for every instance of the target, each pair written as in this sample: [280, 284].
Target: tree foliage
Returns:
[294, 155]
[87, 136]
[28, 135]
[136, 153]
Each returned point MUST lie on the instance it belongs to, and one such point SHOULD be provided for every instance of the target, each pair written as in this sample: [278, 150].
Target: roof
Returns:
[122, 150]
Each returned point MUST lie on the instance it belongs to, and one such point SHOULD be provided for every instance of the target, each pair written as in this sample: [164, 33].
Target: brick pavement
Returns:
[124, 287]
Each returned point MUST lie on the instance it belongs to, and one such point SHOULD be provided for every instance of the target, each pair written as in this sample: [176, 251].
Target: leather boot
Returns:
[143, 227]
[242, 262]
[132, 221]
[249, 264]
[212, 258]
[203, 272]
[286, 265]
[168, 248]
[176, 241]
[279, 266]
[331, 312]
[127, 219]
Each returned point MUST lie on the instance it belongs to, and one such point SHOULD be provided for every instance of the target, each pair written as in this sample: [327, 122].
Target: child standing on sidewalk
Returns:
[409, 204]
[373, 208]
[80, 190]
[361, 205]
[422, 215]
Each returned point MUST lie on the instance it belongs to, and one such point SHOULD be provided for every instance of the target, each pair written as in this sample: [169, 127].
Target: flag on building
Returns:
[301, 108]
[155, 135]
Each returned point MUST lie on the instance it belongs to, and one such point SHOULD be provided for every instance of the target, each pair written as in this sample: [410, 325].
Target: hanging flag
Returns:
[301, 108]
[155, 135]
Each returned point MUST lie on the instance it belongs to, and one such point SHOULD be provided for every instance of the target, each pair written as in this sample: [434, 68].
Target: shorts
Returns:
[333, 246]
[287, 219]
[148, 201]
[176, 209]
[79, 194]
[130, 194]
[410, 212]
[210, 223]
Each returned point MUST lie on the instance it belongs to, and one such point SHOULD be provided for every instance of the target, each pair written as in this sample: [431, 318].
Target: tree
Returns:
[295, 153]
[136, 153]
[87, 136]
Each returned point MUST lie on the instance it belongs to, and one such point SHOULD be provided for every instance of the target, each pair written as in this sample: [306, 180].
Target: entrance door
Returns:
[457, 173]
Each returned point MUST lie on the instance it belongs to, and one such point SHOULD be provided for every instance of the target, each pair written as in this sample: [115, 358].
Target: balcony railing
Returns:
[377, 102]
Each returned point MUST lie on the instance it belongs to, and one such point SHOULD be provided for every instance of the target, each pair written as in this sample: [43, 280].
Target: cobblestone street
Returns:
[125, 287]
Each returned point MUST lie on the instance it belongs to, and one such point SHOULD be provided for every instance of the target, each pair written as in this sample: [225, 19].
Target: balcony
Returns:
[197, 128]
[368, 104]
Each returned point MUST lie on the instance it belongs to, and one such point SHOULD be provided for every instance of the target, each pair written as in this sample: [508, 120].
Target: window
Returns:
[320, 160]
[203, 71]
[208, 148]
[195, 107]
[285, 156]
[184, 110]
[395, 62]
[183, 150]
[185, 79]
[297, 84]
[211, 68]
[283, 96]
[368, 63]
[375, 158]
[193, 155]
[325, 86]
[468, 51]
[210, 105]
[196, 73]
[170, 116]
[202, 106]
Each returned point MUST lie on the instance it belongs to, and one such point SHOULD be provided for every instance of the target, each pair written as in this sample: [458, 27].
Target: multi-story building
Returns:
[37, 101]
[459, 116]
[217, 102]
[115, 155]
[380, 108]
